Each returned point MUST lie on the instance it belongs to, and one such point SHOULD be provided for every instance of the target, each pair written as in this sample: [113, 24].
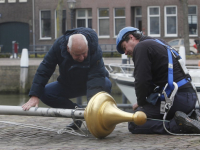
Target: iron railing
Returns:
[43, 49]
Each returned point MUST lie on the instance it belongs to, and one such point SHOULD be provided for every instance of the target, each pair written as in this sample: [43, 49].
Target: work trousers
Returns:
[56, 95]
[183, 101]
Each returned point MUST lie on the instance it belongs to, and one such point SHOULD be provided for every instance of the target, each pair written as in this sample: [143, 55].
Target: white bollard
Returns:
[24, 62]
[124, 59]
[182, 53]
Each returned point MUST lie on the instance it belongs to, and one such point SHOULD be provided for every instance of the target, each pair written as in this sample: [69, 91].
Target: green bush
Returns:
[193, 56]
[38, 55]
[5, 55]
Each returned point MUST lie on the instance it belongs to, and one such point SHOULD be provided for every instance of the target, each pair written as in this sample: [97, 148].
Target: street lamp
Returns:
[71, 5]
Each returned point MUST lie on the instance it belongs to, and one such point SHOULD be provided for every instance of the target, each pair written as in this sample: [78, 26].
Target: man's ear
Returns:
[67, 48]
[131, 36]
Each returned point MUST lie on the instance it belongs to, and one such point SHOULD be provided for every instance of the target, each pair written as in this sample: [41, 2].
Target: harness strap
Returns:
[170, 86]
[182, 82]
[170, 67]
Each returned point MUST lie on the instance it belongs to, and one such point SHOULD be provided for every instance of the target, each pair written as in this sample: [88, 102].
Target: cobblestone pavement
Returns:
[15, 137]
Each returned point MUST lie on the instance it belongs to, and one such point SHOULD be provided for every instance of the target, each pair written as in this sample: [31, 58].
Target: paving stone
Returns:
[16, 137]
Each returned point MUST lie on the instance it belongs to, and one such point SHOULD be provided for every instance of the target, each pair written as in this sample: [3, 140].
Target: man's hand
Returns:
[33, 102]
[135, 106]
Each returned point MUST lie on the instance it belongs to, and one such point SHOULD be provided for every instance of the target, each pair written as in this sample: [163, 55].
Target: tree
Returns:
[185, 25]
[59, 10]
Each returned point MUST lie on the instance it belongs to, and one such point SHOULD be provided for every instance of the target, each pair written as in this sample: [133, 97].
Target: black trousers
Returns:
[183, 101]
[56, 95]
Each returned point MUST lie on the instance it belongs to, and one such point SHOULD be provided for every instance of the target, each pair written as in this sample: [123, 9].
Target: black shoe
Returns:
[187, 124]
[196, 115]
[73, 126]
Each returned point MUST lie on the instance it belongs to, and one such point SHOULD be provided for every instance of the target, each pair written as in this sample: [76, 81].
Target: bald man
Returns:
[81, 72]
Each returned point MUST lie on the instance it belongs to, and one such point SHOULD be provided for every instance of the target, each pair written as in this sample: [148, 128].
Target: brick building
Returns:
[34, 22]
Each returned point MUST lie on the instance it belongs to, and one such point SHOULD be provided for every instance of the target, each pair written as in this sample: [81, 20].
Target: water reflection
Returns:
[20, 99]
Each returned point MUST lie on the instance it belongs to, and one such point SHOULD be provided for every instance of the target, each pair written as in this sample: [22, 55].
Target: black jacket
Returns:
[89, 74]
[151, 67]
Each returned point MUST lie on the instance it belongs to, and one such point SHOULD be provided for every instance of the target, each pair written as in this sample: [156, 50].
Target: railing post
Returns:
[79, 100]
[124, 61]
[124, 99]
[111, 50]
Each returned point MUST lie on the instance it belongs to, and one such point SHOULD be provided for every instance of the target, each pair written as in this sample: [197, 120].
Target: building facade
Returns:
[34, 22]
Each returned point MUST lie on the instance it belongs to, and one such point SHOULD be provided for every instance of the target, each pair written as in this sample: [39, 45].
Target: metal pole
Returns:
[124, 61]
[33, 4]
[13, 51]
[72, 15]
[124, 99]
[39, 111]
[79, 100]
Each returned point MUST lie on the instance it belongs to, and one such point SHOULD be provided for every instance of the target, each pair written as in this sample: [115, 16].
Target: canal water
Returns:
[19, 99]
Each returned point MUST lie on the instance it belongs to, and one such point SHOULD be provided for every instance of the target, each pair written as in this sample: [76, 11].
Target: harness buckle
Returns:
[169, 101]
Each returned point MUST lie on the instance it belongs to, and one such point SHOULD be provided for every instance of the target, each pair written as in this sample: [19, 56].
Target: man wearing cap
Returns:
[150, 57]
[82, 72]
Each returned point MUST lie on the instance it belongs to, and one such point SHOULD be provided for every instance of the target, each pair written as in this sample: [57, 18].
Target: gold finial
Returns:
[102, 115]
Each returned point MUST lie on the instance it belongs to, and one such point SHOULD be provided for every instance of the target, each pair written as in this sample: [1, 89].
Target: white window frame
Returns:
[22, 1]
[40, 21]
[86, 17]
[11, 1]
[2, 1]
[192, 35]
[167, 15]
[98, 18]
[121, 17]
[149, 16]
[56, 23]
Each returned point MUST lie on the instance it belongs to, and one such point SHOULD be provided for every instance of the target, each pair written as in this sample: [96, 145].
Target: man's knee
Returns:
[131, 127]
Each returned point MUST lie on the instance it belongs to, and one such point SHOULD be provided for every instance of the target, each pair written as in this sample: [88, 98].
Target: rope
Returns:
[165, 115]
[61, 131]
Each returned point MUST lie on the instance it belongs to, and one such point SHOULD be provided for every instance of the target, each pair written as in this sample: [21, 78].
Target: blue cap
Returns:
[120, 37]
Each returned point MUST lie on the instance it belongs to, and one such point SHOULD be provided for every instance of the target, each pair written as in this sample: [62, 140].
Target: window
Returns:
[84, 18]
[192, 20]
[2, 1]
[154, 21]
[138, 18]
[11, 1]
[171, 21]
[63, 22]
[45, 24]
[104, 25]
[119, 20]
[22, 1]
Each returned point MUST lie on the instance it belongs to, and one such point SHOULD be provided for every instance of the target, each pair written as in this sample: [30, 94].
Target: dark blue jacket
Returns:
[89, 74]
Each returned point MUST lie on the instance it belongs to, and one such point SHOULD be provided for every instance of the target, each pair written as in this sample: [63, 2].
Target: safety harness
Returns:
[171, 88]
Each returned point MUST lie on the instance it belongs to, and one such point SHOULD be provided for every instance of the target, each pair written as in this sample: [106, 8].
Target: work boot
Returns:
[73, 126]
[186, 124]
[196, 115]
